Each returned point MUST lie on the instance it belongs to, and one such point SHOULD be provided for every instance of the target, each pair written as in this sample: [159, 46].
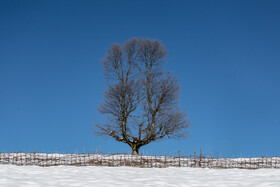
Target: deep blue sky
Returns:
[226, 55]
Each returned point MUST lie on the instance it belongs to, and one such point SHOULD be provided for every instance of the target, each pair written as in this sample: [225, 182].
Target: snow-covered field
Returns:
[91, 176]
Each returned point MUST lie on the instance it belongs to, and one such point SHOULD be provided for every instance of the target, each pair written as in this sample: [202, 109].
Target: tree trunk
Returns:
[135, 149]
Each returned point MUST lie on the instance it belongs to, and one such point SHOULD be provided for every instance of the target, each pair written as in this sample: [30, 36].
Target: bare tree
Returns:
[141, 102]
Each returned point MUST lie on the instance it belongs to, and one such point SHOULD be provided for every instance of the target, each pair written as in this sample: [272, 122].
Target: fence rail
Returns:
[160, 161]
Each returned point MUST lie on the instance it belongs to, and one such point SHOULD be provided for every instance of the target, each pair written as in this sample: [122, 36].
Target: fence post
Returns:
[200, 157]
[124, 159]
[171, 160]
[195, 158]
[165, 159]
[155, 160]
[179, 158]
[151, 158]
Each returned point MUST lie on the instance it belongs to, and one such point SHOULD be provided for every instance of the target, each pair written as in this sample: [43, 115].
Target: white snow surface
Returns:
[89, 176]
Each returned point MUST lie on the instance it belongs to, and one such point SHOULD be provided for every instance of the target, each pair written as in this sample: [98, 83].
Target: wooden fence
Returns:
[143, 161]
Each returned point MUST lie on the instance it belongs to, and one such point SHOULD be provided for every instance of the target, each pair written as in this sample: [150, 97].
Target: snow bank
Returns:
[90, 176]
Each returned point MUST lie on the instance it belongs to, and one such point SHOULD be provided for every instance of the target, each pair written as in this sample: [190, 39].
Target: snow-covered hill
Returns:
[91, 176]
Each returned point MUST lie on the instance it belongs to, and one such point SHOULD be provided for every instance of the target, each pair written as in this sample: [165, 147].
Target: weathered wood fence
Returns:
[145, 161]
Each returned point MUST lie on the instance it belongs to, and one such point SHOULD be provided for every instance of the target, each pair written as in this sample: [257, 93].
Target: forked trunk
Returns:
[135, 149]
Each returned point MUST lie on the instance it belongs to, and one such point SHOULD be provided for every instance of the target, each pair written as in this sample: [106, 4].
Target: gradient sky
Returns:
[226, 55]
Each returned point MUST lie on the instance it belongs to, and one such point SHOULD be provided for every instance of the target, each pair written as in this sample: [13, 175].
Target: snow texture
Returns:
[89, 176]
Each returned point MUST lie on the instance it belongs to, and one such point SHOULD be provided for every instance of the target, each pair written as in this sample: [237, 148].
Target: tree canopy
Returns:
[141, 100]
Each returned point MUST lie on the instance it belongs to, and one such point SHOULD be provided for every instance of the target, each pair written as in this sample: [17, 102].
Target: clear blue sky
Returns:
[226, 55]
